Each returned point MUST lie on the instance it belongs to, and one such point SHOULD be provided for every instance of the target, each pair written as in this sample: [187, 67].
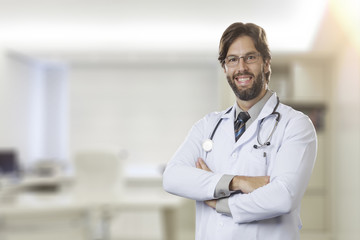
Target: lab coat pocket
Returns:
[257, 162]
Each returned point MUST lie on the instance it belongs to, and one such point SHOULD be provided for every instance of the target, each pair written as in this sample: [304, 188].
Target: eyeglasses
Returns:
[233, 61]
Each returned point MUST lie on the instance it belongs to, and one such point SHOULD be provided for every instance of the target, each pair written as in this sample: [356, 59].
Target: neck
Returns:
[246, 105]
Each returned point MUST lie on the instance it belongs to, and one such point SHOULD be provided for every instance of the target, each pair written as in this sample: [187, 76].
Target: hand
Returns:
[211, 203]
[248, 184]
[200, 164]
[243, 183]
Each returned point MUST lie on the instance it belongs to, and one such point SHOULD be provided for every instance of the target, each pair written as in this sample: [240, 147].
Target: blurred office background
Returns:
[122, 82]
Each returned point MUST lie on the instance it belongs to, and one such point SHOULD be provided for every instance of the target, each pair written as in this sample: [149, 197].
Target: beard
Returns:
[250, 93]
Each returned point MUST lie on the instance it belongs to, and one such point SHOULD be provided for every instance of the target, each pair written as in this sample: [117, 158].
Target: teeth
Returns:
[243, 79]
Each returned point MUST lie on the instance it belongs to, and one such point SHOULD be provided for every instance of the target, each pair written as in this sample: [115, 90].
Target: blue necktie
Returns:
[239, 125]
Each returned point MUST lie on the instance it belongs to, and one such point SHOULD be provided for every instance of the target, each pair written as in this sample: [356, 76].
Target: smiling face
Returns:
[247, 80]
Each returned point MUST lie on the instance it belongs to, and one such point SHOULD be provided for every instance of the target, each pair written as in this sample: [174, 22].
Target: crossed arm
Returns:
[289, 176]
[238, 183]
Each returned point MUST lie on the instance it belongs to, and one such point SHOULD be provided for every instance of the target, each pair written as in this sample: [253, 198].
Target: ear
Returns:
[267, 66]
[224, 67]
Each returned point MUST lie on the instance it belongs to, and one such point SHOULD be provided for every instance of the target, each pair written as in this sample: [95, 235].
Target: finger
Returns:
[197, 164]
[203, 165]
[211, 203]
[267, 179]
[201, 161]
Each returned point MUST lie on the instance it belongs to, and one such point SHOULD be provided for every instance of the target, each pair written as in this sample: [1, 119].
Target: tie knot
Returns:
[243, 117]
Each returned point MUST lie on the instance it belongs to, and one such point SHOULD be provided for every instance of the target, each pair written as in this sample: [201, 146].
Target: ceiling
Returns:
[153, 26]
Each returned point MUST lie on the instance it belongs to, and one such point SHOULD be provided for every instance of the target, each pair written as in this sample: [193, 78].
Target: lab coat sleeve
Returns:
[289, 178]
[181, 177]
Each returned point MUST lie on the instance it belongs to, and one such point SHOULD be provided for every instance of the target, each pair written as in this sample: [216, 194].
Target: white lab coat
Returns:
[270, 212]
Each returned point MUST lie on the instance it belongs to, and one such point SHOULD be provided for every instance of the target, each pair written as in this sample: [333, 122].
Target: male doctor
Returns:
[248, 183]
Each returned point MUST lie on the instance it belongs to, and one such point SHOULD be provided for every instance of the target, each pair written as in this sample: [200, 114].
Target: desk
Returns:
[25, 203]
[30, 181]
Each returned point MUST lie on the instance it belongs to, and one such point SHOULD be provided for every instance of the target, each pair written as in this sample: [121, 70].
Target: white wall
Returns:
[145, 108]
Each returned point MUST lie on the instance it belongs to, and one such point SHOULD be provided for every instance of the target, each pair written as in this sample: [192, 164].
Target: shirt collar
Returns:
[255, 110]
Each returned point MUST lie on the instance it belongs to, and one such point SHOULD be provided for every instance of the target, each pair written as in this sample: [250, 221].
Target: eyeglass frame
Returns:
[257, 54]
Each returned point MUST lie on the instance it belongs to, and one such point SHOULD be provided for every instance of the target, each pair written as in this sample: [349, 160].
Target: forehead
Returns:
[242, 45]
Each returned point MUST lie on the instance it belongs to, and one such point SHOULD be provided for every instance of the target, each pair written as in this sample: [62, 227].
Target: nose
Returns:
[242, 65]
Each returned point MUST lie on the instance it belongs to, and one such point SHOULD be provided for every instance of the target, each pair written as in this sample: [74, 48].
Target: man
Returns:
[247, 184]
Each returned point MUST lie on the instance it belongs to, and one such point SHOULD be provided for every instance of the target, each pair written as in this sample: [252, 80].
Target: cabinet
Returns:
[303, 82]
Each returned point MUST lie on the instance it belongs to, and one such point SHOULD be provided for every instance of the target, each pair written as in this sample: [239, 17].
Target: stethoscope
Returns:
[209, 143]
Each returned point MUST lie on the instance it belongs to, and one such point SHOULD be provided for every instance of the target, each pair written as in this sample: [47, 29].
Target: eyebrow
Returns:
[251, 52]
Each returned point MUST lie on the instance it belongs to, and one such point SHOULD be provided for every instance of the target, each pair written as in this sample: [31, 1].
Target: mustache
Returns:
[243, 73]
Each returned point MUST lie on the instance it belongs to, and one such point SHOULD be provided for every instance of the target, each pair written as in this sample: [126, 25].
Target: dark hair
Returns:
[239, 29]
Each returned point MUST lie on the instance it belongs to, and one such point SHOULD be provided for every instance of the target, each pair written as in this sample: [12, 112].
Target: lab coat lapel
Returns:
[249, 132]
[228, 126]
[268, 108]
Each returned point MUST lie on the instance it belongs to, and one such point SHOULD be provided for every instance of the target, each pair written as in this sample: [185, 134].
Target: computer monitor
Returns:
[8, 162]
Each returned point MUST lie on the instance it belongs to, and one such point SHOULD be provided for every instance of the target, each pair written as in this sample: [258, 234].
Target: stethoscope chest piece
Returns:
[207, 145]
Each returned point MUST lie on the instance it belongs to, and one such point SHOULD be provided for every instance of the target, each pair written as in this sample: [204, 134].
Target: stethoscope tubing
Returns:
[267, 142]
[217, 125]
[208, 143]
